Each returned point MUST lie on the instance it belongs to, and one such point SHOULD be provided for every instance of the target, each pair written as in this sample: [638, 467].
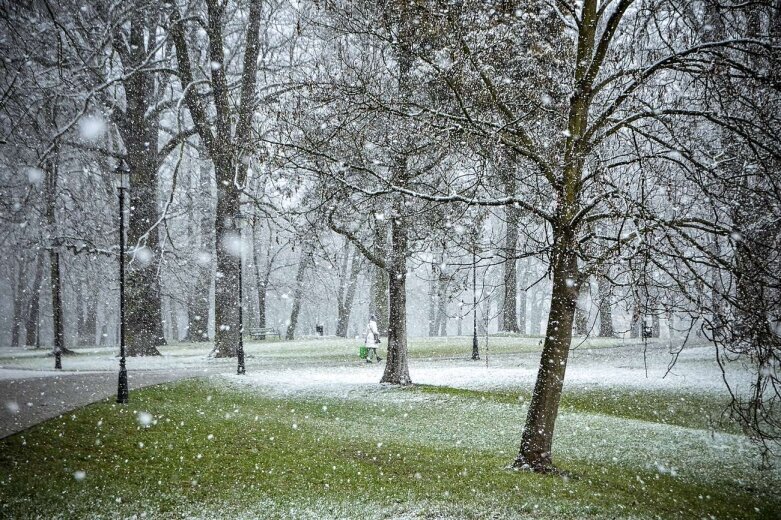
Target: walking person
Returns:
[372, 339]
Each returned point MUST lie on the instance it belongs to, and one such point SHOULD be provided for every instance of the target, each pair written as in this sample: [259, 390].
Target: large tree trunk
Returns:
[396, 368]
[226, 289]
[537, 439]
[34, 307]
[143, 302]
[303, 265]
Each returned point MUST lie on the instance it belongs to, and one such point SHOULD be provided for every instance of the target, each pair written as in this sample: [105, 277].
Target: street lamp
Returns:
[475, 351]
[123, 183]
[239, 220]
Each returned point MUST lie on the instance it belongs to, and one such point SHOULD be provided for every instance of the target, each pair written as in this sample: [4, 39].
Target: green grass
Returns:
[691, 410]
[298, 352]
[423, 452]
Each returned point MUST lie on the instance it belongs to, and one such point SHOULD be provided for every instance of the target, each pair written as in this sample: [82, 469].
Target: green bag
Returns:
[363, 352]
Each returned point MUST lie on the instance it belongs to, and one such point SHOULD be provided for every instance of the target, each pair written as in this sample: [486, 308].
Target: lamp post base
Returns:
[122, 390]
[241, 370]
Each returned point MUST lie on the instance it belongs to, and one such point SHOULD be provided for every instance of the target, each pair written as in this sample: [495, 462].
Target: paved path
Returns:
[29, 397]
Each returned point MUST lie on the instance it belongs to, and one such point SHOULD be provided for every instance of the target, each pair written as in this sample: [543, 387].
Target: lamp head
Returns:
[122, 175]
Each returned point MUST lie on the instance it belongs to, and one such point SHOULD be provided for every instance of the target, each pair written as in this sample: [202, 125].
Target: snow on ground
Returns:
[333, 368]
[599, 368]
[13, 373]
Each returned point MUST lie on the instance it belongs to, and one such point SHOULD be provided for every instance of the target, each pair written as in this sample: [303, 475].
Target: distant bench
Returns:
[262, 332]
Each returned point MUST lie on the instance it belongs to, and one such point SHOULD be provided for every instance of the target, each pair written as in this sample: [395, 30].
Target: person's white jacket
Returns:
[371, 330]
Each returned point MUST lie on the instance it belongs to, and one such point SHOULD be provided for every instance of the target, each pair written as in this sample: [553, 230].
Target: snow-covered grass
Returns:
[219, 448]
[309, 433]
[302, 351]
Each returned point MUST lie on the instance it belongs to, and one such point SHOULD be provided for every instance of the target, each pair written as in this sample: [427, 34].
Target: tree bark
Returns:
[396, 367]
[535, 314]
[19, 290]
[59, 326]
[442, 298]
[143, 302]
[342, 292]
[87, 320]
[537, 439]
[522, 310]
[199, 300]
[605, 308]
[635, 323]
[432, 301]
[227, 142]
[34, 307]
[349, 297]
[303, 264]
[581, 314]
[379, 288]
[262, 281]
[509, 306]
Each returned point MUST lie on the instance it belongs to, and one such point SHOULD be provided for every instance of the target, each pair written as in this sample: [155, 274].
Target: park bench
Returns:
[262, 332]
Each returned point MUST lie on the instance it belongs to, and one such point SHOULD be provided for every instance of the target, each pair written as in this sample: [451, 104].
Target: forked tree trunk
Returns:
[226, 140]
[537, 439]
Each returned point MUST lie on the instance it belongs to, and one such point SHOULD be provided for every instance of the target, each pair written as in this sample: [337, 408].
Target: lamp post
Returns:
[123, 183]
[475, 350]
[238, 221]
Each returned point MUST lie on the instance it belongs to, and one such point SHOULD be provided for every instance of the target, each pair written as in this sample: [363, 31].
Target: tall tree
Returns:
[226, 140]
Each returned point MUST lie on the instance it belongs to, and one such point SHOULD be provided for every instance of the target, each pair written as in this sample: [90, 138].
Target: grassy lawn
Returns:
[298, 352]
[211, 449]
